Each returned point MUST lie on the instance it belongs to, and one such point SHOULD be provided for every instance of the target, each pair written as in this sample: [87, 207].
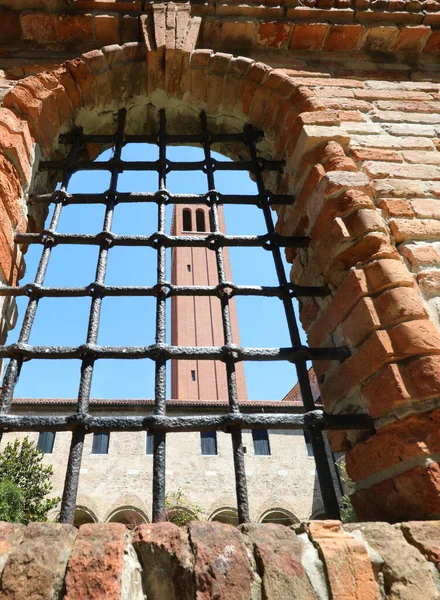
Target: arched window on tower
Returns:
[200, 220]
[187, 219]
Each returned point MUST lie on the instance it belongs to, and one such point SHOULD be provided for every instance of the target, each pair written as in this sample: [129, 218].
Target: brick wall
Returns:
[320, 560]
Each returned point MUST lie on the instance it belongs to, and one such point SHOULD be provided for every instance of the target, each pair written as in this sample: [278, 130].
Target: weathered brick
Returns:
[10, 20]
[11, 535]
[371, 154]
[413, 494]
[166, 559]
[278, 553]
[36, 568]
[414, 229]
[385, 392]
[40, 27]
[396, 207]
[308, 36]
[412, 39]
[386, 170]
[429, 281]
[342, 37]
[426, 537]
[75, 28]
[222, 567]
[420, 254]
[274, 34]
[95, 565]
[107, 29]
[348, 566]
[427, 158]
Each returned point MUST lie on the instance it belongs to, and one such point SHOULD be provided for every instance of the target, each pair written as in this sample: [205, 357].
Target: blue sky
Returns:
[131, 321]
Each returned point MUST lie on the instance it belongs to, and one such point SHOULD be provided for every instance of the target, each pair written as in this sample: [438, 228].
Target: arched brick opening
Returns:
[226, 514]
[83, 515]
[131, 516]
[374, 306]
[280, 516]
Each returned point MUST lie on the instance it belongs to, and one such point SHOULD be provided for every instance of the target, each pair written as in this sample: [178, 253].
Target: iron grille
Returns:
[82, 421]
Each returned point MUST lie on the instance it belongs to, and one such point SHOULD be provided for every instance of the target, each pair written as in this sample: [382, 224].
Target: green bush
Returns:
[21, 465]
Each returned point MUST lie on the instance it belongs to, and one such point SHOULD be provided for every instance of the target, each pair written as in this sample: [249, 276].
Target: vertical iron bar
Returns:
[77, 445]
[236, 437]
[14, 367]
[326, 483]
[160, 362]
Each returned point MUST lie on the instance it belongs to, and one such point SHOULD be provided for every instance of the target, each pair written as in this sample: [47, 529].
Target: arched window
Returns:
[279, 516]
[129, 516]
[82, 516]
[200, 220]
[187, 219]
[225, 515]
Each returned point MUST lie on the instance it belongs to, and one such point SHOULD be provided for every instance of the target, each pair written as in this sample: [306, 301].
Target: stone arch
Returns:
[131, 516]
[83, 515]
[351, 249]
[226, 514]
[280, 516]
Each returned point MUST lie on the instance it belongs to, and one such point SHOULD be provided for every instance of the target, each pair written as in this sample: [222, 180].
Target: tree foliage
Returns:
[179, 510]
[11, 502]
[348, 514]
[21, 465]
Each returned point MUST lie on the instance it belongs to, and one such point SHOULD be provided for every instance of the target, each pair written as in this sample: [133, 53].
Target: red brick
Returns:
[130, 29]
[399, 304]
[75, 28]
[373, 354]
[35, 569]
[40, 27]
[351, 116]
[231, 578]
[274, 34]
[422, 376]
[417, 435]
[414, 494]
[376, 155]
[10, 24]
[308, 36]
[107, 29]
[419, 254]
[342, 37]
[13, 147]
[415, 337]
[414, 229]
[347, 563]
[385, 391]
[362, 320]
[412, 39]
[395, 207]
[96, 562]
[433, 43]
[385, 273]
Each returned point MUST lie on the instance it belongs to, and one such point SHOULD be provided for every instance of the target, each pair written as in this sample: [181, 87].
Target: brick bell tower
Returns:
[196, 320]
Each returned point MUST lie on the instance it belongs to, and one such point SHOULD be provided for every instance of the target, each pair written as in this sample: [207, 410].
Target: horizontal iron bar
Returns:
[153, 351]
[157, 197]
[149, 165]
[96, 289]
[316, 418]
[170, 138]
[211, 240]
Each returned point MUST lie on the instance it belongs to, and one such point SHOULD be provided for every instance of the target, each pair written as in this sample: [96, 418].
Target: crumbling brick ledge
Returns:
[209, 560]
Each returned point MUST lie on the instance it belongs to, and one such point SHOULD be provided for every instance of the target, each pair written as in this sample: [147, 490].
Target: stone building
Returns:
[346, 93]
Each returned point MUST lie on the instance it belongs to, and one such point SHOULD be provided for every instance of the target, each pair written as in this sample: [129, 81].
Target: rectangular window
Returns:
[46, 440]
[193, 375]
[189, 268]
[149, 448]
[308, 442]
[261, 442]
[100, 442]
[208, 441]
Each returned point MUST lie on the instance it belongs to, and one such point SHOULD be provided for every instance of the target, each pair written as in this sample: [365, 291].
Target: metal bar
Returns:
[159, 451]
[236, 438]
[153, 351]
[245, 420]
[154, 165]
[173, 290]
[212, 241]
[131, 197]
[87, 363]
[14, 367]
[322, 464]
